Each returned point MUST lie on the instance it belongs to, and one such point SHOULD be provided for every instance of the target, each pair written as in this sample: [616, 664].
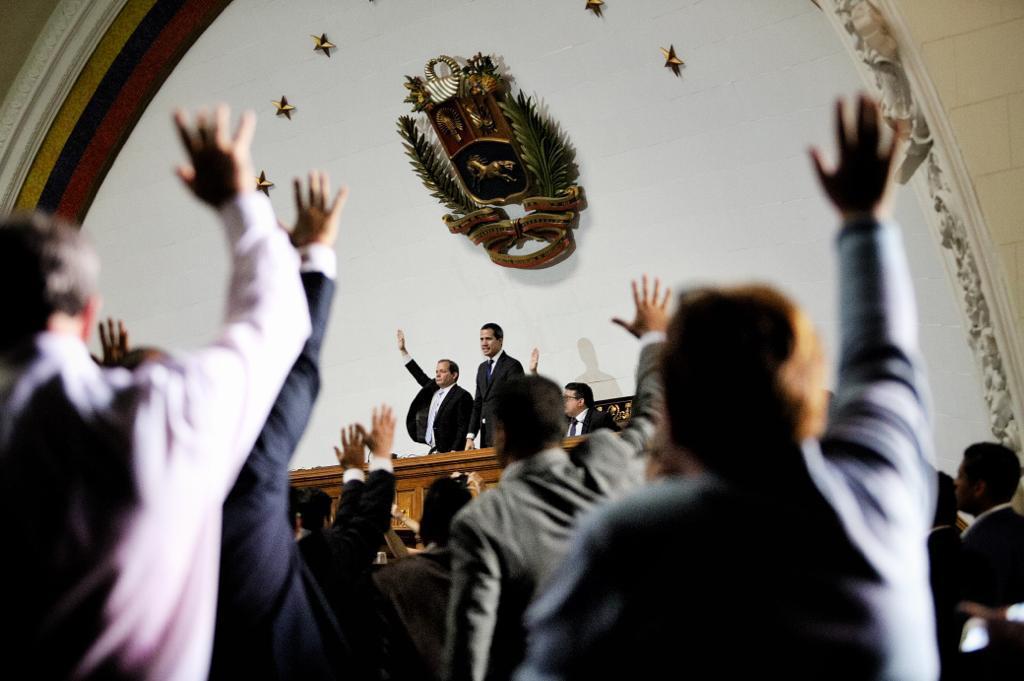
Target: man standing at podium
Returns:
[439, 414]
[490, 375]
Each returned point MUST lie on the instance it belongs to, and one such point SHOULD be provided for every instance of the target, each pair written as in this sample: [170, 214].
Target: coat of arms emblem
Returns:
[493, 150]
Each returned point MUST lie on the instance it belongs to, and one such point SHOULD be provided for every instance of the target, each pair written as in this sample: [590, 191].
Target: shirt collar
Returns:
[994, 509]
[497, 356]
[582, 416]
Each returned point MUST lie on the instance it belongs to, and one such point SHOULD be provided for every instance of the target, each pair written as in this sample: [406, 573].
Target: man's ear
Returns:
[90, 314]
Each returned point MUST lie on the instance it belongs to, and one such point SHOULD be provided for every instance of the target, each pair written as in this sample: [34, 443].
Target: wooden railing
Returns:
[414, 475]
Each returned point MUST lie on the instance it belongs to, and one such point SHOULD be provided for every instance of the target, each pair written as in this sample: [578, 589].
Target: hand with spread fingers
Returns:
[353, 447]
[114, 340]
[401, 341]
[220, 166]
[382, 434]
[318, 215]
[862, 182]
[651, 308]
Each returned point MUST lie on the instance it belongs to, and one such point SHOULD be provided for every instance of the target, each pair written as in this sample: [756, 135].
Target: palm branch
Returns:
[546, 152]
[432, 167]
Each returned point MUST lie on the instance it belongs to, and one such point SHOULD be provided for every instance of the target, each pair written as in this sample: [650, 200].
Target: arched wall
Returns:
[702, 178]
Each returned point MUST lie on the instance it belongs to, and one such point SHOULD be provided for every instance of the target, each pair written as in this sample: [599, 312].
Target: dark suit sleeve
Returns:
[354, 542]
[348, 504]
[417, 373]
[463, 414]
[478, 401]
[255, 512]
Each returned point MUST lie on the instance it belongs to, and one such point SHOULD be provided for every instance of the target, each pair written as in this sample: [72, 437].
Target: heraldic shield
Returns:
[495, 150]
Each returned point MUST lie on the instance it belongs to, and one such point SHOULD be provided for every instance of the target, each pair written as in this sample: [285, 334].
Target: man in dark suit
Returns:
[582, 417]
[492, 373]
[272, 620]
[508, 541]
[439, 414]
[985, 483]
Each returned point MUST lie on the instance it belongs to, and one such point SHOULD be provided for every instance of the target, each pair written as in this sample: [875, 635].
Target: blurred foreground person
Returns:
[119, 580]
[795, 549]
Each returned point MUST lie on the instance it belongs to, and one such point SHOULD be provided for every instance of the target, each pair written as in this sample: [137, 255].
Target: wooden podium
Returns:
[413, 475]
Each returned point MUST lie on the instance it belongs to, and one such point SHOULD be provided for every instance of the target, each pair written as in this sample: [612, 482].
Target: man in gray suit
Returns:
[510, 539]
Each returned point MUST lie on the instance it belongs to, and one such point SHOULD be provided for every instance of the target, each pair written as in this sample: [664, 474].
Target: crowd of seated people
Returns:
[741, 525]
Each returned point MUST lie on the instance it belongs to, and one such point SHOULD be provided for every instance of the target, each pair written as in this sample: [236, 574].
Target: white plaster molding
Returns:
[61, 50]
[879, 41]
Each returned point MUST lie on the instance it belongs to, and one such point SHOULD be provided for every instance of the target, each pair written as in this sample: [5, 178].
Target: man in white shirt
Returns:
[439, 414]
[580, 412]
[120, 580]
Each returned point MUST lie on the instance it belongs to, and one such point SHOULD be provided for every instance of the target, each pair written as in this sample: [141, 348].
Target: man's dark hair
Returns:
[582, 390]
[945, 506]
[531, 412]
[498, 333]
[46, 266]
[452, 366]
[444, 498]
[996, 465]
[314, 505]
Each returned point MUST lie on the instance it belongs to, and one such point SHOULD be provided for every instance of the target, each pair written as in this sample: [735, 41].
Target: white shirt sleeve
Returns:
[199, 416]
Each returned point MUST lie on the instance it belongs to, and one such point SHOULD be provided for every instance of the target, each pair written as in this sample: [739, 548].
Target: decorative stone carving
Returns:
[879, 50]
[874, 43]
[63, 47]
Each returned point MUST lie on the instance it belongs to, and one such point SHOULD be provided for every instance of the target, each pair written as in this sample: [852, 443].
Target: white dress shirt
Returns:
[578, 419]
[162, 447]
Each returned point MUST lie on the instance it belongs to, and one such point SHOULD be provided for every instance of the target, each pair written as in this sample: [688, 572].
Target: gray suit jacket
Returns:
[506, 543]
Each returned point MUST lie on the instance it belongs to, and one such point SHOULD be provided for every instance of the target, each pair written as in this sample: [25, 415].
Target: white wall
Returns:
[698, 179]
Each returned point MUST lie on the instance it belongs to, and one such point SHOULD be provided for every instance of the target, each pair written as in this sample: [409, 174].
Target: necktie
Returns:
[572, 428]
[490, 369]
[432, 414]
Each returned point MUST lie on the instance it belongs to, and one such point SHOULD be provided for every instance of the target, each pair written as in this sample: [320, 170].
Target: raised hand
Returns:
[114, 341]
[382, 435]
[353, 447]
[317, 220]
[862, 180]
[475, 483]
[220, 165]
[401, 341]
[534, 360]
[651, 308]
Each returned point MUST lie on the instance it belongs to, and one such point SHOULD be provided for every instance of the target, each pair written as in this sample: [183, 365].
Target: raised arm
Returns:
[879, 412]
[650, 320]
[216, 400]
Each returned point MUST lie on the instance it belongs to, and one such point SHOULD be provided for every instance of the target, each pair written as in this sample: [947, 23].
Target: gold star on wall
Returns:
[263, 184]
[322, 44]
[672, 61]
[284, 108]
[595, 6]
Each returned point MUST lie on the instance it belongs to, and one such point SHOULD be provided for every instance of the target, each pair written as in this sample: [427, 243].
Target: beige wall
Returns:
[974, 52]
[20, 24]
